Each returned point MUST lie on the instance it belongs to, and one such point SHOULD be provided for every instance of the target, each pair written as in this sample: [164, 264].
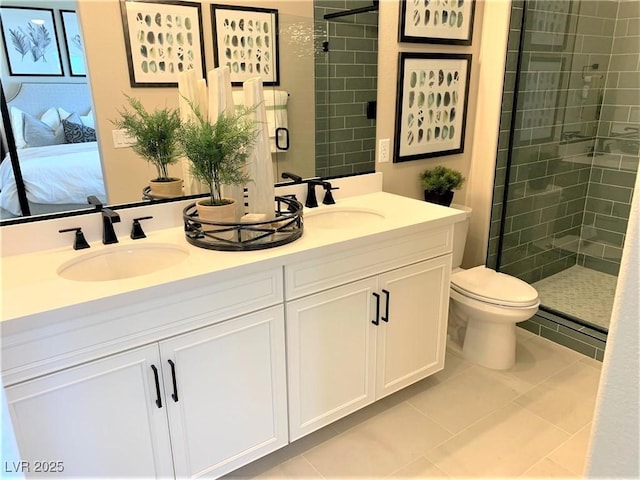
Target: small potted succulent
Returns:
[439, 183]
[218, 153]
[156, 135]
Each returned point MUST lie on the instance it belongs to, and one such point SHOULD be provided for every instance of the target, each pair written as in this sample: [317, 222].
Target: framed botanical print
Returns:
[246, 40]
[30, 41]
[539, 100]
[73, 43]
[432, 103]
[162, 39]
[437, 21]
[548, 25]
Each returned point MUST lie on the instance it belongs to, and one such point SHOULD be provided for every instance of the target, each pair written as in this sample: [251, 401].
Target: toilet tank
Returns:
[460, 230]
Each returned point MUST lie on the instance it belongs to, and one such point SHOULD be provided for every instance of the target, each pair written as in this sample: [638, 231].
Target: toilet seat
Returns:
[488, 286]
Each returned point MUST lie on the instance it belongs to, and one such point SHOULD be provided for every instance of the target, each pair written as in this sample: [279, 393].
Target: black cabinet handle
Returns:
[174, 395]
[386, 310]
[158, 397]
[375, 321]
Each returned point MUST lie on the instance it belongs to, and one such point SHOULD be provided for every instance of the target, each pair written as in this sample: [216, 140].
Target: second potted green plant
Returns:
[439, 184]
[156, 141]
[218, 153]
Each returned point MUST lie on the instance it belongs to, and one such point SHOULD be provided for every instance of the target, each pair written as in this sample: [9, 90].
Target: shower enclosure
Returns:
[346, 68]
[567, 160]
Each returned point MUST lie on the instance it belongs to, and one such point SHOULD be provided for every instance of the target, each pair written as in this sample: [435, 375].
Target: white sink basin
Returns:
[116, 263]
[343, 217]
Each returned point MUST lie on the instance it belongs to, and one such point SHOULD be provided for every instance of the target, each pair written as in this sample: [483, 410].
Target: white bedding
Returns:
[56, 174]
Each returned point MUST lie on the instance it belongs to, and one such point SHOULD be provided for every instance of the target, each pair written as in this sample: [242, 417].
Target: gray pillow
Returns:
[39, 134]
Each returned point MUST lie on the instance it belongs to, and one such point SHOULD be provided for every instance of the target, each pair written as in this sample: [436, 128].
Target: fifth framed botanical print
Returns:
[433, 91]
[246, 40]
[437, 21]
[162, 39]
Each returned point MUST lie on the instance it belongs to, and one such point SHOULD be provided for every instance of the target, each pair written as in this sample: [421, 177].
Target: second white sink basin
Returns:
[125, 261]
[343, 217]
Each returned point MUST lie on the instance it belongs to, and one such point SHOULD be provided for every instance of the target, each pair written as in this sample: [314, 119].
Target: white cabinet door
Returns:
[228, 404]
[411, 343]
[330, 355]
[102, 419]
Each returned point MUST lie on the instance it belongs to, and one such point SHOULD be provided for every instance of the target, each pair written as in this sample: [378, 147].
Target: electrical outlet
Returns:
[383, 148]
[121, 139]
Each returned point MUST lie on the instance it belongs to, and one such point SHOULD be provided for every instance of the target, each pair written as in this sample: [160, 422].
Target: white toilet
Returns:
[485, 307]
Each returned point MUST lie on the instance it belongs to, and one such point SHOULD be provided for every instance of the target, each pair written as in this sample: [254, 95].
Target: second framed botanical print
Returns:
[437, 21]
[246, 40]
[432, 102]
[162, 40]
[30, 41]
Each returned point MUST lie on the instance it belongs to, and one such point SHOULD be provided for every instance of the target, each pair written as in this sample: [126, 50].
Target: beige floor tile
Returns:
[538, 359]
[572, 454]
[567, 399]
[285, 454]
[457, 404]
[420, 468]
[546, 468]
[379, 446]
[297, 467]
[505, 443]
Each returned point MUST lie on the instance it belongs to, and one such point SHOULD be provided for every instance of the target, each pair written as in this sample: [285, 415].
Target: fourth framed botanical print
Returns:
[432, 102]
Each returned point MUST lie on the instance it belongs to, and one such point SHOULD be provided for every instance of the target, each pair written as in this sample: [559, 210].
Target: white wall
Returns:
[614, 451]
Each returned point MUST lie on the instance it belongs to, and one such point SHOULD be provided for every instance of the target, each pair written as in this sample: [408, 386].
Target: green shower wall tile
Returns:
[568, 341]
[619, 178]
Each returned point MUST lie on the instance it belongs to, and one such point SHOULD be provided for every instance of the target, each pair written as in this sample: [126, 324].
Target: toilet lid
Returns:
[489, 286]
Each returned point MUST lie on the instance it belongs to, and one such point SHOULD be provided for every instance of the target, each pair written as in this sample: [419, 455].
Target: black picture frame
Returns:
[241, 43]
[73, 43]
[547, 25]
[433, 22]
[431, 108]
[149, 24]
[539, 105]
[30, 41]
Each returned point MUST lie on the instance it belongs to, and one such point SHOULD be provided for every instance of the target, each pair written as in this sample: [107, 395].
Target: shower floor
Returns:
[581, 292]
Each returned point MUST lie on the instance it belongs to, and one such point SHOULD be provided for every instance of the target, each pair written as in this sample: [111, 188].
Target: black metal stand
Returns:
[286, 227]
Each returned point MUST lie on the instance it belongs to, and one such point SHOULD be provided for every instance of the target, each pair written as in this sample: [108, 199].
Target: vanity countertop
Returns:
[31, 285]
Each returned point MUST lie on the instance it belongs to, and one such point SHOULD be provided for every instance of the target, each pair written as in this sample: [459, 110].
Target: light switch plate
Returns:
[383, 148]
[121, 139]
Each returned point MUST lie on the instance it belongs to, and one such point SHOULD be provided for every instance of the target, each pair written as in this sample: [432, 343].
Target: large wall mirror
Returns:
[327, 67]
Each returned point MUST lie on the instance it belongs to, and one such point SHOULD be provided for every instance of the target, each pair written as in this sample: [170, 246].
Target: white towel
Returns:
[221, 101]
[275, 102]
[190, 89]
[261, 189]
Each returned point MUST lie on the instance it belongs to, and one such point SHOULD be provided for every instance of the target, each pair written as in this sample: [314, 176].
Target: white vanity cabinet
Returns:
[351, 345]
[195, 404]
[96, 420]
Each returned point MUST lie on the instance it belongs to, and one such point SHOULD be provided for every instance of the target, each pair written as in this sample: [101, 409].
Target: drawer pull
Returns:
[155, 375]
[375, 321]
[386, 310]
[174, 395]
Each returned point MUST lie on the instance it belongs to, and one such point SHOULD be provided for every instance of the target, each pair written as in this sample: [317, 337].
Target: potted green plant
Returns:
[155, 134]
[218, 153]
[439, 183]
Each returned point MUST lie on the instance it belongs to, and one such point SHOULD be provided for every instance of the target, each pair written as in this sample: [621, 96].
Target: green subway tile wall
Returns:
[346, 80]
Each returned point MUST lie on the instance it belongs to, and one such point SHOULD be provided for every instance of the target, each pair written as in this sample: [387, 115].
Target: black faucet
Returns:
[312, 201]
[291, 176]
[109, 217]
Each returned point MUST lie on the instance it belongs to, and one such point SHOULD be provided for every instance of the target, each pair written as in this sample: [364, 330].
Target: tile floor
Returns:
[466, 421]
[582, 292]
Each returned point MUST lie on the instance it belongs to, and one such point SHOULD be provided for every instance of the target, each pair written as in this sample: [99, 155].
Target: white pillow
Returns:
[50, 117]
[88, 119]
[17, 126]
[63, 113]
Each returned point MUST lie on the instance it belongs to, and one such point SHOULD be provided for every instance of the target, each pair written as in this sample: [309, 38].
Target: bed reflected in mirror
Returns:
[54, 132]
